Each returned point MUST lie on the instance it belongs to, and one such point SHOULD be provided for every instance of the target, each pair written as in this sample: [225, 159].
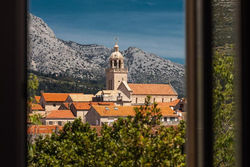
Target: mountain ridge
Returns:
[49, 55]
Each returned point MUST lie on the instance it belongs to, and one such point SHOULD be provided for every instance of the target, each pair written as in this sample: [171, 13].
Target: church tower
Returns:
[116, 73]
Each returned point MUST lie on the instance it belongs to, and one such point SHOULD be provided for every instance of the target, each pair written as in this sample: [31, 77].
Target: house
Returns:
[80, 109]
[99, 115]
[52, 101]
[58, 117]
[158, 93]
[37, 109]
[169, 116]
[34, 131]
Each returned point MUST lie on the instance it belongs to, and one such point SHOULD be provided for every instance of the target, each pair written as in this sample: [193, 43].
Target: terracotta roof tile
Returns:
[81, 105]
[167, 111]
[87, 105]
[42, 129]
[124, 111]
[56, 97]
[152, 89]
[37, 99]
[36, 107]
[121, 111]
[60, 114]
[172, 103]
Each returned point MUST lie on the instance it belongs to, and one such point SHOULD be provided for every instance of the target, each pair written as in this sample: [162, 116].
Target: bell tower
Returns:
[116, 73]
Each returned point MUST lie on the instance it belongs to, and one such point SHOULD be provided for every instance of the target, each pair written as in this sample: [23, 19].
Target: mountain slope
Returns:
[49, 55]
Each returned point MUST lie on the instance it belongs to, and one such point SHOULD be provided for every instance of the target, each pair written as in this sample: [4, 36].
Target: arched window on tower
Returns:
[120, 62]
[115, 63]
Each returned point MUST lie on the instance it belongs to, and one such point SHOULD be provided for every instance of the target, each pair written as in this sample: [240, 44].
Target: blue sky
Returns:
[156, 26]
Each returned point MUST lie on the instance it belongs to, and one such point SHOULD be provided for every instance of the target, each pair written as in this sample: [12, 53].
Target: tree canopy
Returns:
[131, 141]
[32, 86]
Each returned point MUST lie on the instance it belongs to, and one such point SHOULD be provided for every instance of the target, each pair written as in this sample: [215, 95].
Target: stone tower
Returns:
[116, 73]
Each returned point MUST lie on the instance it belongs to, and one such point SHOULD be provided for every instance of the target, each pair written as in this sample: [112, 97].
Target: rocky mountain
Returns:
[49, 55]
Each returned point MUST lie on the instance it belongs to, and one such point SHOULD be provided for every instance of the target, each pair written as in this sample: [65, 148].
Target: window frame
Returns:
[198, 71]
[15, 36]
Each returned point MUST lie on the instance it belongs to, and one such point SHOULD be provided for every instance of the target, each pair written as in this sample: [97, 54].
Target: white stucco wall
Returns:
[158, 98]
[55, 121]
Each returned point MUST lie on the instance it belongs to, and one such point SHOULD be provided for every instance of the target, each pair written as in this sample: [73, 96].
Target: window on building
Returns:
[162, 100]
[54, 105]
[60, 123]
[136, 100]
[172, 118]
[50, 122]
[170, 99]
[154, 99]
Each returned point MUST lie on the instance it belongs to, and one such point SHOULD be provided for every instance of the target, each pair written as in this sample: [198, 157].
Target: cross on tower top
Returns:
[116, 40]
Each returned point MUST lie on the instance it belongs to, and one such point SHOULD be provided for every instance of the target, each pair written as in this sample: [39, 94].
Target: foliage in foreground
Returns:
[32, 86]
[137, 141]
[223, 107]
[35, 119]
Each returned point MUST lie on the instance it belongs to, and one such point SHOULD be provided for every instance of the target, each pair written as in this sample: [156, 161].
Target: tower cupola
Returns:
[116, 59]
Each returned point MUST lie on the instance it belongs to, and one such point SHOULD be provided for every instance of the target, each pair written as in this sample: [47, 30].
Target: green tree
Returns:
[35, 119]
[32, 86]
[131, 141]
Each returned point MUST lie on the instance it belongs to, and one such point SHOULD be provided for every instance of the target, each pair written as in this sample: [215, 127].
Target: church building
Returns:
[119, 91]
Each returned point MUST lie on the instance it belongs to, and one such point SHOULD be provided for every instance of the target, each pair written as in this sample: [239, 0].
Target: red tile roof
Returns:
[56, 97]
[87, 105]
[172, 103]
[36, 107]
[81, 105]
[152, 89]
[123, 111]
[37, 99]
[42, 129]
[60, 114]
